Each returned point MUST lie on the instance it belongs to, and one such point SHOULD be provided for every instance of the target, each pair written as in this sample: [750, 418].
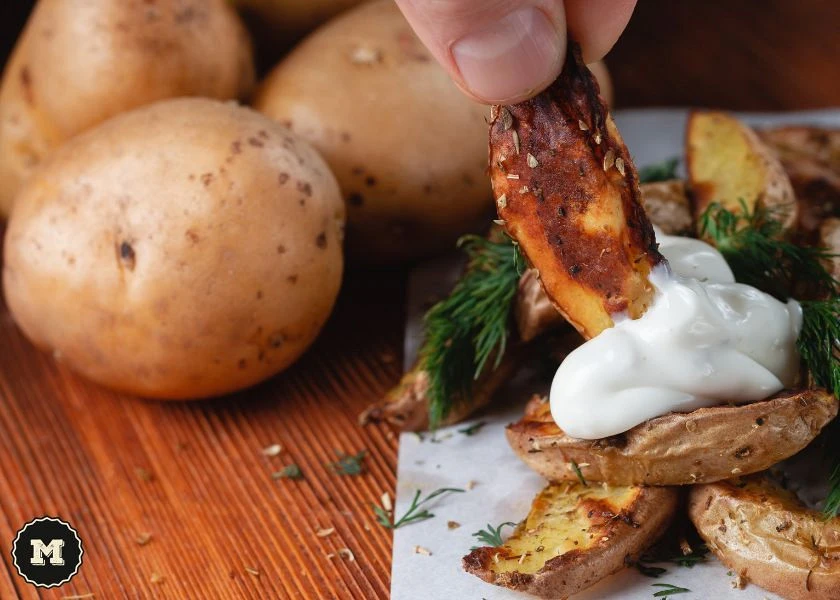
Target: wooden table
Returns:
[177, 500]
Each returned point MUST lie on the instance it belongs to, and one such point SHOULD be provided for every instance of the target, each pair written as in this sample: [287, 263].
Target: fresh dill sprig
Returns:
[413, 514]
[492, 536]
[291, 471]
[759, 255]
[819, 347]
[663, 171]
[753, 245]
[348, 464]
[669, 589]
[576, 469]
[473, 429]
[468, 330]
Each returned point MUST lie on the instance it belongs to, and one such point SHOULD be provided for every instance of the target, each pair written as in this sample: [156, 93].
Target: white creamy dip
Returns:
[706, 340]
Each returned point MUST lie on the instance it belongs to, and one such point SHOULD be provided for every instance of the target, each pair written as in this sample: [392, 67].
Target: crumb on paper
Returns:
[272, 450]
[471, 484]
[422, 550]
[452, 525]
[252, 571]
[386, 502]
[156, 577]
[324, 532]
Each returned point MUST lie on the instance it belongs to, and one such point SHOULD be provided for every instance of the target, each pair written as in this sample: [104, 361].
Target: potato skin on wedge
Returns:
[574, 536]
[566, 187]
[728, 164]
[708, 444]
[764, 534]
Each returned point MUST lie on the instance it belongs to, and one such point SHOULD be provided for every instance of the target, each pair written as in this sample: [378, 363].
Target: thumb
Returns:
[497, 51]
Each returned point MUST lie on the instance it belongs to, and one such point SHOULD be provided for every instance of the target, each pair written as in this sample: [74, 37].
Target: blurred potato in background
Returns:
[79, 62]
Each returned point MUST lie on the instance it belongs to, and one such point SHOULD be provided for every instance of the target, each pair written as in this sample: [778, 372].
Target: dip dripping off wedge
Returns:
[568, 192]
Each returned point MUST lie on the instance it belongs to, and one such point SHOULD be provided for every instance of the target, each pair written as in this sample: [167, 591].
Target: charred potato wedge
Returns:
[767, 536]
[569, 195]
[574, 536]
[667, 206]
[729, 164]
[811, 158]
[708, 444]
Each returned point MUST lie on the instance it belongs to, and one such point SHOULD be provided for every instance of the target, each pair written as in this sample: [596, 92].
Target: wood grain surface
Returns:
[190, 478]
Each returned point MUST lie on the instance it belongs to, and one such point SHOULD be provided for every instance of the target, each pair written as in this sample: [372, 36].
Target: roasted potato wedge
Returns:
[574, 536]
[767, 536]
[811, 158]
[667, 206]
[705, 445]
[569, 194]
[406, 406]
[729, 164]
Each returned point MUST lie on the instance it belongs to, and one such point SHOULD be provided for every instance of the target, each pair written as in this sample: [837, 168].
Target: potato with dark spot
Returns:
[408, 148]
[179, 286]
[79, 62]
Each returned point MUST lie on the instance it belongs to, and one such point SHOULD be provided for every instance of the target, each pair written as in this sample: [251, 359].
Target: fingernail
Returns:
[517, 55]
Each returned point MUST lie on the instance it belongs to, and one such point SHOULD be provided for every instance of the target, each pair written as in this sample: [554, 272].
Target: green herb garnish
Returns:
[663, 171]
[492, 536]
[576, 469]
[413, 514]
[289, 472]
[649, 571]
[473, 429]
[753, 245]
[348, 464]
[669, 590]
[468, 330]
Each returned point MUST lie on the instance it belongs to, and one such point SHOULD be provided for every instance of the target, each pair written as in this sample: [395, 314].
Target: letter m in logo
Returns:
[53, 550]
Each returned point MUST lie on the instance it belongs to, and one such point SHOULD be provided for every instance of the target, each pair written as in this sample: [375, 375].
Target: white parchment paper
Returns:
[503, 487]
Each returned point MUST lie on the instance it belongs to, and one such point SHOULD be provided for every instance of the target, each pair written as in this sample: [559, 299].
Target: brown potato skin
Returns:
[576, 216]
[79, 62]
[185, 249]
[408, 148]
[811, 158]
[728, 163]
[620, 535]
[706, 445]
[764, 534]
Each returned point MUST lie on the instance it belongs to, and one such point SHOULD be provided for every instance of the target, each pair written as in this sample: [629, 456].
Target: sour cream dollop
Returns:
[705, 341]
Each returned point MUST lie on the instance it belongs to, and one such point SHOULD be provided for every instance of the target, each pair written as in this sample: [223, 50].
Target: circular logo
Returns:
[47, 552]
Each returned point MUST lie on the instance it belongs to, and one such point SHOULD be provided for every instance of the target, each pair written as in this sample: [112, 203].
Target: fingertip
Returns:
[597, 24]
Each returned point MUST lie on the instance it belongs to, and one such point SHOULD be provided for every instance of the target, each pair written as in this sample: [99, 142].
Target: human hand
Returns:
[505, 51]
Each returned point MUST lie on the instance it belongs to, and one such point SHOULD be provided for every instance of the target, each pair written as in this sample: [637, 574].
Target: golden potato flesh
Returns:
[185, 249]
[408, 148]
[78, 63]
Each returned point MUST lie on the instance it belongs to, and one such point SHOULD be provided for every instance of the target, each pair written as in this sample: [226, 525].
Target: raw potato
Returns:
[728, 164]
[574, 536]
[79, 62]
[568, 191]
[811, 158]
[277, 24]
[768, 537]
[185, 249]
[708, 444]
[408, 148]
